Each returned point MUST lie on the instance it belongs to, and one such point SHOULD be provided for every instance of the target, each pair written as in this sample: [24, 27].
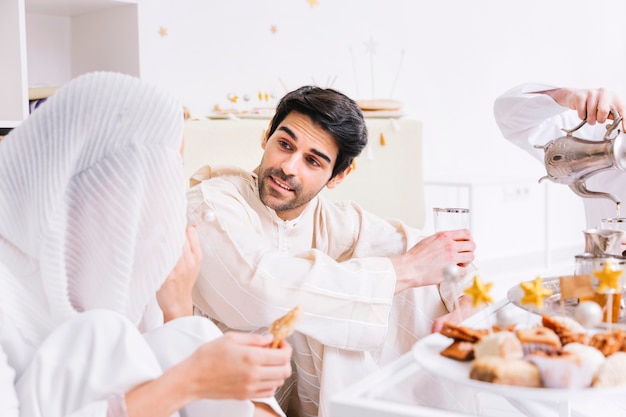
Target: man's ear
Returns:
[266, 136]
[339, 178]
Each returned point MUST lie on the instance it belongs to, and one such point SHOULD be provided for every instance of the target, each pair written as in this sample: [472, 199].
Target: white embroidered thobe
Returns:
[332, 261]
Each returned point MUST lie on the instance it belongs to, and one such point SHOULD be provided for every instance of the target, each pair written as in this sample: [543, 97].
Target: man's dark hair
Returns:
[334, 112]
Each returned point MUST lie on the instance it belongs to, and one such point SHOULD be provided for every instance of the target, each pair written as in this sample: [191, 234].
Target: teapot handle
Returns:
[617, 120]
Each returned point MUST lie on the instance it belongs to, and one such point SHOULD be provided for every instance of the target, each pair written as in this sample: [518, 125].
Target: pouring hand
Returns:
[423, 264]
[593, 105]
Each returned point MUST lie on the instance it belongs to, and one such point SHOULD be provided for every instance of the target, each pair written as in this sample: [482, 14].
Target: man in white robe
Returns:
[368, 288]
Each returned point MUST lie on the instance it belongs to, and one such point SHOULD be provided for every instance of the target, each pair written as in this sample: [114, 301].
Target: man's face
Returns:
[298, 162]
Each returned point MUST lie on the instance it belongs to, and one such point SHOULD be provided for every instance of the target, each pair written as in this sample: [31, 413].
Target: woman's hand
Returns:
[239, 366]
[174, 296]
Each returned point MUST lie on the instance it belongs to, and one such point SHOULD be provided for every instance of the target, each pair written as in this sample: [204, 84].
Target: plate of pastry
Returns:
[550, 360]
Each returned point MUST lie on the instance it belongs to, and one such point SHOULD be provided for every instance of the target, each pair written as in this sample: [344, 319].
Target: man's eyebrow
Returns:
[293, 136]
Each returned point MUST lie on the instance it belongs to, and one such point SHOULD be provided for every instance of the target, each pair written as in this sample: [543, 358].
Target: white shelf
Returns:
[47, 43]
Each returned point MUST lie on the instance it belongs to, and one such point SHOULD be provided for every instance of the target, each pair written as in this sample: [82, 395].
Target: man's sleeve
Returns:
[246, 283]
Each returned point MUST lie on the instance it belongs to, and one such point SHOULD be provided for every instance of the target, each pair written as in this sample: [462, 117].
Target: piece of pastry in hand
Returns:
[284, 326]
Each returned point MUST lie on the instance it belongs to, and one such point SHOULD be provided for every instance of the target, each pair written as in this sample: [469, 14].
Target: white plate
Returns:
[427, 354]
[382, 114]
[255, 115]
[221, 116]
[552, 304]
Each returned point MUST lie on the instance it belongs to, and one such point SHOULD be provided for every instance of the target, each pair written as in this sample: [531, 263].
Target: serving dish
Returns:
[427, 353]
[552, 304]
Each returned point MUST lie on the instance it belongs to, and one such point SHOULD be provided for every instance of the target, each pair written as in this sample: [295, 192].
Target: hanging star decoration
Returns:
[479, 292]
[312, 3]
[163, 31]
[608, 279]
[370, 46]
[273, 29]
[534, 292]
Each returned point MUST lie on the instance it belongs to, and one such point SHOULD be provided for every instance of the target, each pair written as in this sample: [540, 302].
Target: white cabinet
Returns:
[46, 43]
[387, 180]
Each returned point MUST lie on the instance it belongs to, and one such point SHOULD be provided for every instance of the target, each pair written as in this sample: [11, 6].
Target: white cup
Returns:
[616, 223]
[451, 218]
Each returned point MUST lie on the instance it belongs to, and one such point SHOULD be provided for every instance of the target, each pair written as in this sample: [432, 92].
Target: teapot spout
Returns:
[580, 188]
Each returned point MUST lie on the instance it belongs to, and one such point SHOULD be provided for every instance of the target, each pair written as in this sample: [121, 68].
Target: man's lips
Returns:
[280, 184]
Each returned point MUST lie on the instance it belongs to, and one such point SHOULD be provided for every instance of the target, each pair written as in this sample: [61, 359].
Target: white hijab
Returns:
[91, 203]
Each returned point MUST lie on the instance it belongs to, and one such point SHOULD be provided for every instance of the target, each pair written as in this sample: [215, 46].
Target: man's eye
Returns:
[313, 162]
[284, 144]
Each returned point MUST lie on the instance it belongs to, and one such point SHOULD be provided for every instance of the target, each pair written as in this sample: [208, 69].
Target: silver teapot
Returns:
[570, 160]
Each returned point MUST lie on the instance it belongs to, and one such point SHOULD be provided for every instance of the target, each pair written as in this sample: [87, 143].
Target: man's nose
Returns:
[290, 165]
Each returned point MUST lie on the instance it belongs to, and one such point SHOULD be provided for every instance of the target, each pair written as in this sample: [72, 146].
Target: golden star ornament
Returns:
[608, 279]
[535, 292]
[479, 292]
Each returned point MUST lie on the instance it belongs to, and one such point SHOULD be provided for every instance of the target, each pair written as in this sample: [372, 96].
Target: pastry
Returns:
[538, 338]
[283, 326]
[587, 354]
[459, 350]
[612, 373]
[568, 330]
[505, 371]
[503, 344]
[562, 369]
[608, 342]
[462, 333]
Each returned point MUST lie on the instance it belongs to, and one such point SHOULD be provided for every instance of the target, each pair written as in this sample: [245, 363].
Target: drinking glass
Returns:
[451, 218]
[616, 223]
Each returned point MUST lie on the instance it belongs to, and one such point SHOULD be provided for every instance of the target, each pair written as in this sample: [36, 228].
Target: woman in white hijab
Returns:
[92, 222]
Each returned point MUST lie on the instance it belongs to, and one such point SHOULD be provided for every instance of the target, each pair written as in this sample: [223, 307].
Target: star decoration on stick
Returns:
[370, 46]
[163, 31]
[479, 292]
[609, 279]
[312, 3]
[274, 29]
[534, 292]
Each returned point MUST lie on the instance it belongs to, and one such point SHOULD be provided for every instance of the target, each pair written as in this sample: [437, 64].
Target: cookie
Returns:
[284, 326]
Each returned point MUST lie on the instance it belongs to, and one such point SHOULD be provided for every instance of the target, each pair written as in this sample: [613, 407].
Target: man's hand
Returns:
[423, 264]
[174, 296]
[594, 105]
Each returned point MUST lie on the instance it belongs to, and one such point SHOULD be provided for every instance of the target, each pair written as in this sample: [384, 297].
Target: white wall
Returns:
[458, 56]
[447, 60]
